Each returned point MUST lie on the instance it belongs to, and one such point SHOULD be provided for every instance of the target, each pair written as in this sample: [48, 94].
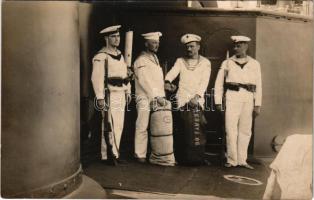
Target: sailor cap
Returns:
[152, 36]
[240, 38]
[187, 38]
[111, 29]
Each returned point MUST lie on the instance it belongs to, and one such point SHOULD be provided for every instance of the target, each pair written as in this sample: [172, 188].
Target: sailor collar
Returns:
[241, 63]
[152, 57]
[192, 67]
[116, 57]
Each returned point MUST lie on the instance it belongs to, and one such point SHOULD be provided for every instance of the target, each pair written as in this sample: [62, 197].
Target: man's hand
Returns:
[256, 111]
[194, 101]
[161, 101]
[100, 103]
[130, 73]
[170, 87]
[101, 106]
[219, 107]
[128, 98]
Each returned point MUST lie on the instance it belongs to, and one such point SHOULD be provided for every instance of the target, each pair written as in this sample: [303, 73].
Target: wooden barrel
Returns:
[161, 137]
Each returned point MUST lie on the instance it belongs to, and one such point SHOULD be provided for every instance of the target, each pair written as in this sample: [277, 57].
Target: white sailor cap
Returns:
[152, 36]
[187, 38]
[240, 38]
[110, 30]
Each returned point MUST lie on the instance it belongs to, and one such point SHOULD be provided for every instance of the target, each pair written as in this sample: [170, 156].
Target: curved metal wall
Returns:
[40, 99]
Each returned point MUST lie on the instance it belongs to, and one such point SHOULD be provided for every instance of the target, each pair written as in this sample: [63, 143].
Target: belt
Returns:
[118, 81]
[237, 86]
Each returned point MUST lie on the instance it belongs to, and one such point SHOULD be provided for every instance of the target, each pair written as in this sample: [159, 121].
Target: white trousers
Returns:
[142, 121]
[117, 108]
[238, 127]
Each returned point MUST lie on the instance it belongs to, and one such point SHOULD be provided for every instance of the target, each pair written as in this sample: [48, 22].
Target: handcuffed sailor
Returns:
[243, 84]
[194, 71]
[149, 86]
[118, 85]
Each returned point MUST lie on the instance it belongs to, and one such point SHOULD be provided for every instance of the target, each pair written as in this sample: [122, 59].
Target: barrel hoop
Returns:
[164, 109]
[54, 190]
[164, 154]
[161, 135]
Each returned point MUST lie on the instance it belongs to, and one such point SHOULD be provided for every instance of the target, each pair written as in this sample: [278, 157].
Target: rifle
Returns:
[106, 119]
[128, 54]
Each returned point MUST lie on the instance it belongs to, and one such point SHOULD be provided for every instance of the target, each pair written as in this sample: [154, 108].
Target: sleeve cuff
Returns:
[199, 93]
[258, 104]
[100, 96]
[218, 101]
[157, 95]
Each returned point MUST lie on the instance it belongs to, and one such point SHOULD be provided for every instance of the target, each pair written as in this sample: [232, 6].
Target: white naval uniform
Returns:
[193, 79]
[116, 68]
[149, 83]
[239, 105]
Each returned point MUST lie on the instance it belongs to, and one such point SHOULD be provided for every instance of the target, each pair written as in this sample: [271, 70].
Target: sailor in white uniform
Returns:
[194, 71]
[240, 75]
[118, 84]
[149, 86]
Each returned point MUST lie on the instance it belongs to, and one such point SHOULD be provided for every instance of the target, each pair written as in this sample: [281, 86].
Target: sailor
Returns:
[240, 75]
[149, 88]
[118, 85]
[194, 71]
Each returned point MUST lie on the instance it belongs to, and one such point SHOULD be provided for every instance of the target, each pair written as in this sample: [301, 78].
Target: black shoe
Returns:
[228, 165]
[102, 161]
[141, 160]
[122, 161]
[112, 162]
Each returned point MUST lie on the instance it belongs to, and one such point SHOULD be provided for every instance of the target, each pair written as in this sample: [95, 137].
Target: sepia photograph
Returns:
[157, 99]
